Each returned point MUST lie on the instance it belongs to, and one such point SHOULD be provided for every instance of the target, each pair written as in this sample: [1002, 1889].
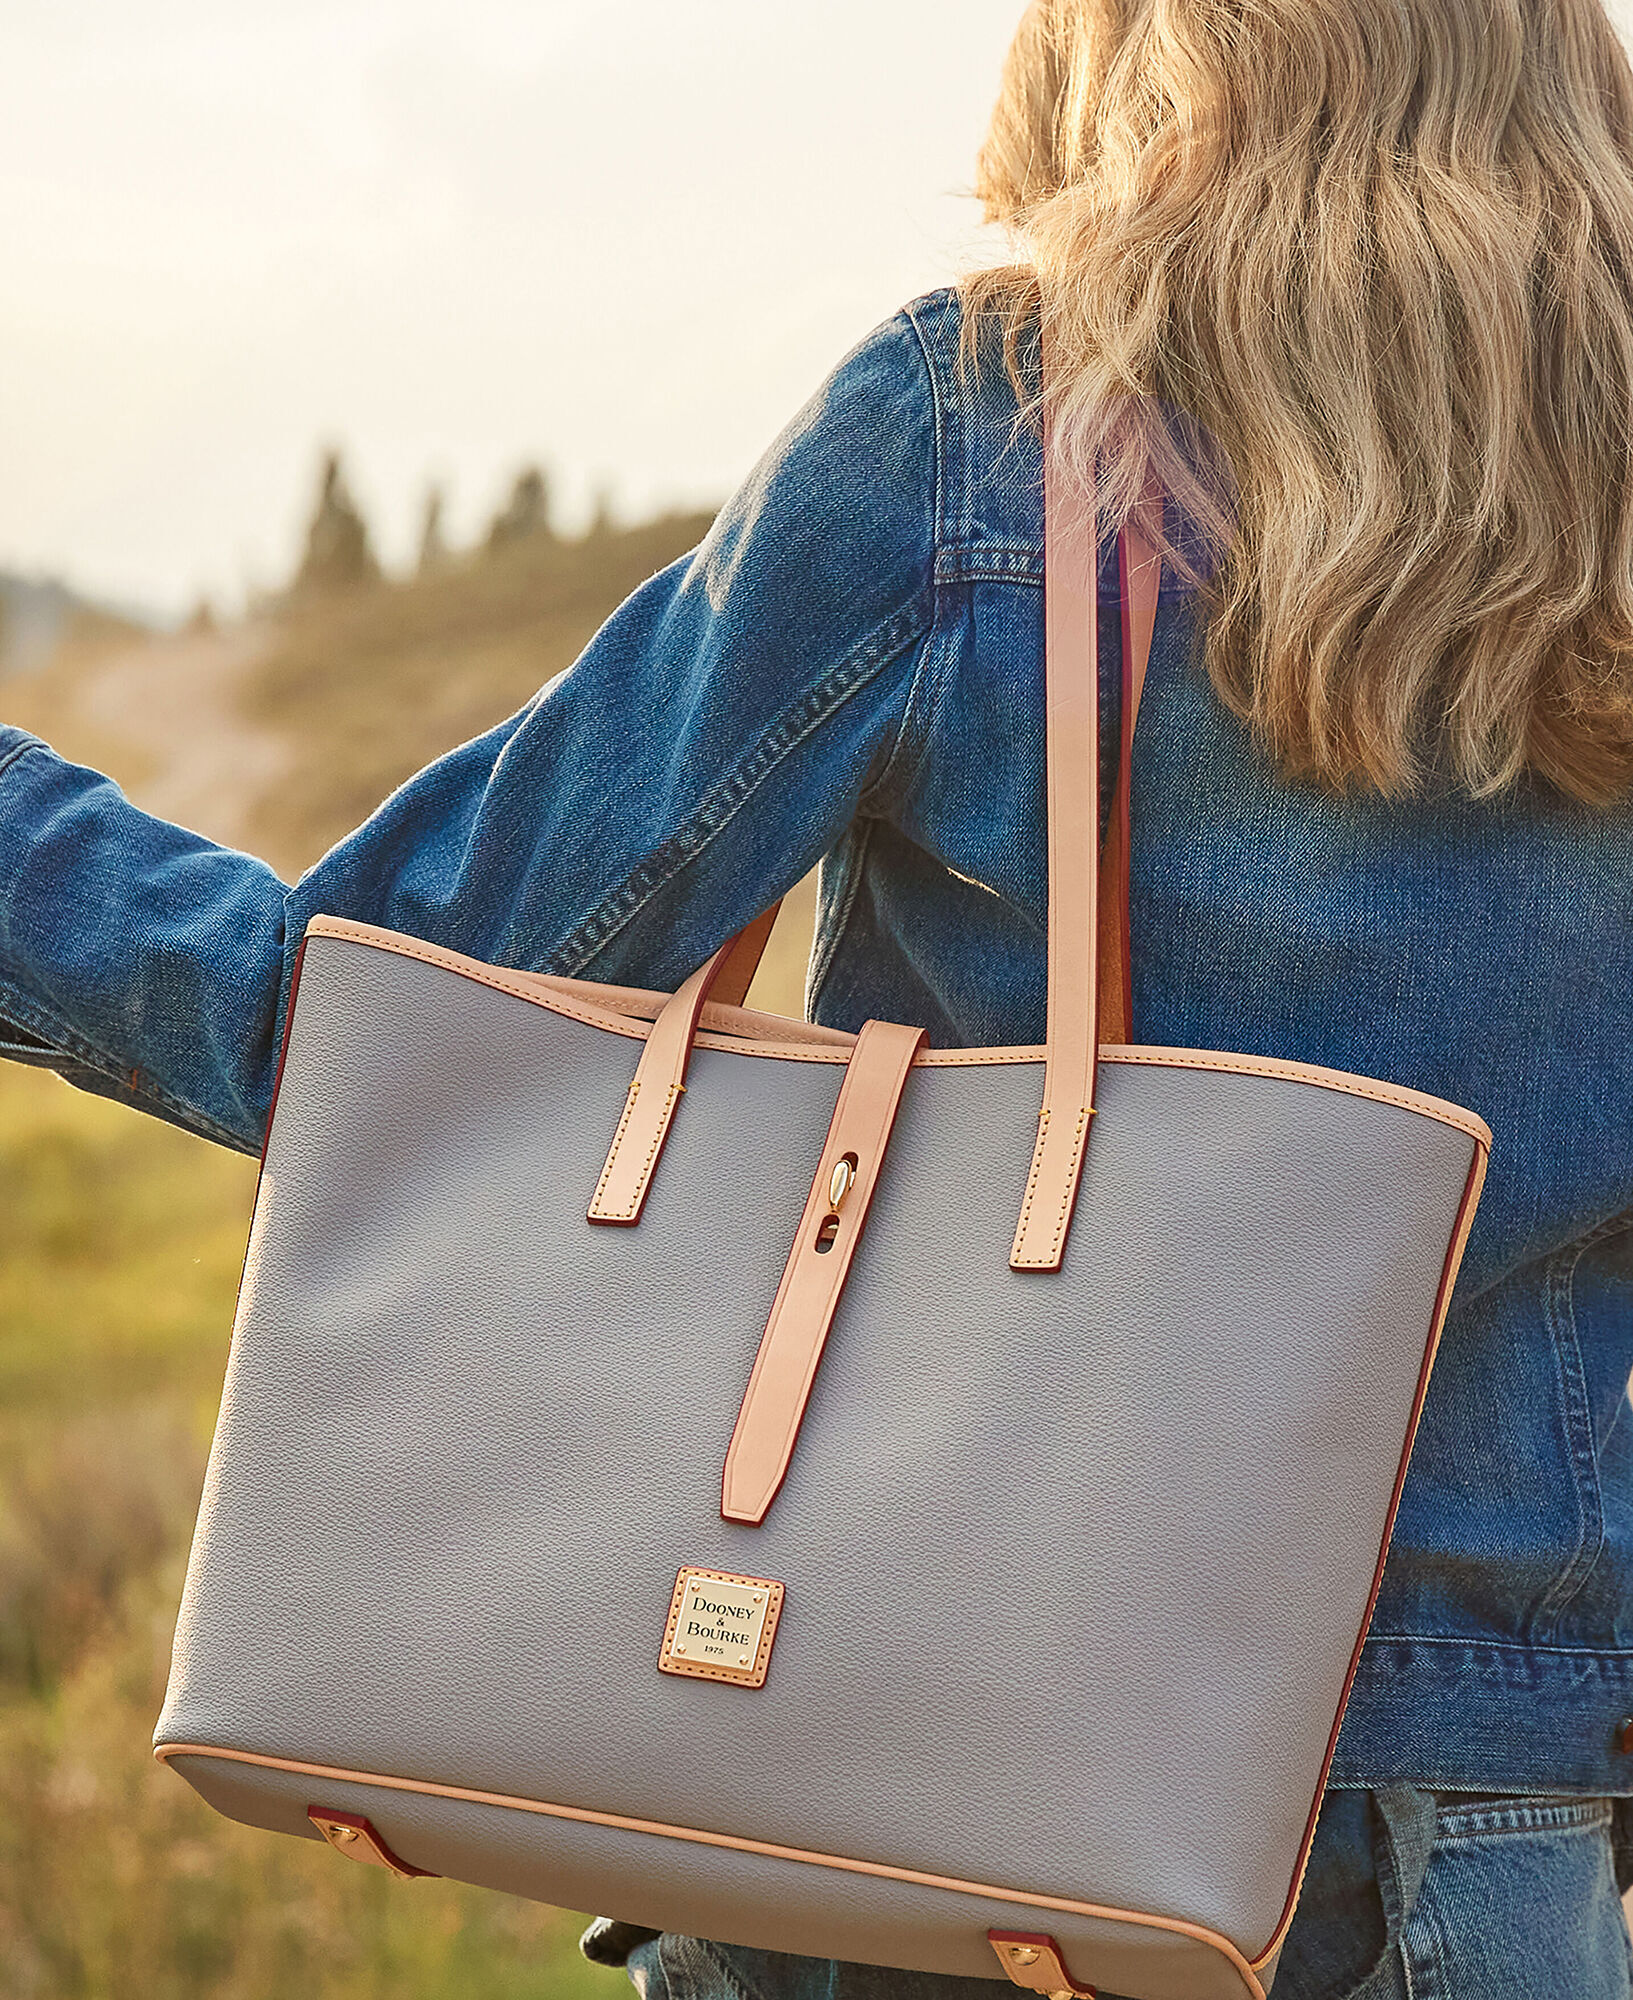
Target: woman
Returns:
[1354, 279]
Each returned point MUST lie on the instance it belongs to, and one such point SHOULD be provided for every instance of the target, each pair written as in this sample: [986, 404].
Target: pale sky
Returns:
[627, 240]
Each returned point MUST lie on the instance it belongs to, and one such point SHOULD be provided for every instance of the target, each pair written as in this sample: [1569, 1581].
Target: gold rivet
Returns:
[680, 1649]
[747, 1660]
[343, 1833]
[1025, 1954]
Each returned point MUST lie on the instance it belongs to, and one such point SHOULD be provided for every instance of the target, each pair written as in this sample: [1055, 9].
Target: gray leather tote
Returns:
[538, 1550]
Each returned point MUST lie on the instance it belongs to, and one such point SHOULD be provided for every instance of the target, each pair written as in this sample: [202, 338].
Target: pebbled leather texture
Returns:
[1075, 1565]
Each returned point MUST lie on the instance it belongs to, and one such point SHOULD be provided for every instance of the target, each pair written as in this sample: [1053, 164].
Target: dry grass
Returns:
[375, 683]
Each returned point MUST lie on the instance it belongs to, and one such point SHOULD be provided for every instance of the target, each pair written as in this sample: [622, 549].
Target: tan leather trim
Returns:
[649, 1109]
[1175, 1926]
[769, 1035]
[1072, 755]
[1443, 1303]
[681, 1652]
[660, 1077]
[1035, 1963]
[813, 1280]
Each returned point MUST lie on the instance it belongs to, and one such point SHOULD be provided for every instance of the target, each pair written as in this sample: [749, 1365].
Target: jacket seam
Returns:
[62, 1043]
[18, 751]
[728, 1972]
[1466, 1642]
[1577, 1415]
[895, 777]
[722, 803]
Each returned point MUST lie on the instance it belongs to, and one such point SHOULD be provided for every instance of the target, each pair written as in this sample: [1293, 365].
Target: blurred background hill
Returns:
[120, 1241]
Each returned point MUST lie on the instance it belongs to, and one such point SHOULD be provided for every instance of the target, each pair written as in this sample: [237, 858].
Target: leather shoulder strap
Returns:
[1072, 702]
[1140, 574]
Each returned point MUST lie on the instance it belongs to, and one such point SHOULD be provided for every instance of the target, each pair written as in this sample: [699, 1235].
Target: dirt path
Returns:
[173, 701]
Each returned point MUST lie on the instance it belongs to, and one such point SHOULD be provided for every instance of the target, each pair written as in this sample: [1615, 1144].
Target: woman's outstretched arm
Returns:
[711, 744]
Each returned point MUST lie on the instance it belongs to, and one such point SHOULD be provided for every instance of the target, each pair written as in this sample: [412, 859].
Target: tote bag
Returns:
[538, 1550]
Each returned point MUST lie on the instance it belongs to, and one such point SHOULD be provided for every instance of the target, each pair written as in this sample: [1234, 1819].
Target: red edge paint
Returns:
[367, 1826]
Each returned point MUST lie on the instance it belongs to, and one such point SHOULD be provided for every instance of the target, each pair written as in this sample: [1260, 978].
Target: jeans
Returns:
[1408, 1897]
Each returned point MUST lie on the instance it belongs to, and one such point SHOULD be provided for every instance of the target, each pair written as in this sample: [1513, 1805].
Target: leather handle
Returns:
[1090, 998]
[1140, 575]
[1081, 1007]
[813, 1280]
[660, 1076]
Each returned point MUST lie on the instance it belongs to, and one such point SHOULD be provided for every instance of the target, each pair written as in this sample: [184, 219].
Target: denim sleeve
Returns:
[711, 744]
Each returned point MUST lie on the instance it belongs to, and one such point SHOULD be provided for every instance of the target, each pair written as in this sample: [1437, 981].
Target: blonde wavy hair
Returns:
[1354, 279]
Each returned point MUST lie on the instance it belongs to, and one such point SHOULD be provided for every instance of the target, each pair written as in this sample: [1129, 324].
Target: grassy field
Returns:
[119, 1249]
[120, 1242]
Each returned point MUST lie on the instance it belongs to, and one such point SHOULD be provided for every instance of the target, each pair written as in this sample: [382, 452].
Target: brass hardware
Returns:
[721, 1627]
[1035, 1964]
[359, 1840]
[841, 1181]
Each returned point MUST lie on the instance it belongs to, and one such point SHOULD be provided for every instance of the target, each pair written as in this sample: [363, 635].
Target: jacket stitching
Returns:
[720, 806]
[889, 782]
[956, 522]
[59, 1040]
[18, 751]
[1578, 1418]
[1521, 1649]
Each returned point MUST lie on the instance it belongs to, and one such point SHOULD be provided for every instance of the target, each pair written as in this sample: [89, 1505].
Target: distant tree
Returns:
[433, 537]
[603, 521]
[338, 553]
[525, 514]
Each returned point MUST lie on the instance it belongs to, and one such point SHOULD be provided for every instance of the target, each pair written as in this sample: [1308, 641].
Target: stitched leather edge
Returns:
[1177, 1927]
[744, 1032]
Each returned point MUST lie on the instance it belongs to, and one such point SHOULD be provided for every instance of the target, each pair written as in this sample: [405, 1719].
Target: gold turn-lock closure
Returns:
[841, 1181]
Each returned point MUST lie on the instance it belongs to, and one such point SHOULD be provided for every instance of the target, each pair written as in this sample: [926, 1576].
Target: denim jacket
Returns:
[849, 670]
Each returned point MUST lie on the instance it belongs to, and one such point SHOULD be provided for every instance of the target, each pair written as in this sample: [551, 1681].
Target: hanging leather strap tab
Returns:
[1034, 1962]
[813, 1279]
[1072, 709]
[660, 1076]
[1076, 1019]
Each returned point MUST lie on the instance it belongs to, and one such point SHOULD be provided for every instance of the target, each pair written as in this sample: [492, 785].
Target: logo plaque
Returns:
[721, 1627]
